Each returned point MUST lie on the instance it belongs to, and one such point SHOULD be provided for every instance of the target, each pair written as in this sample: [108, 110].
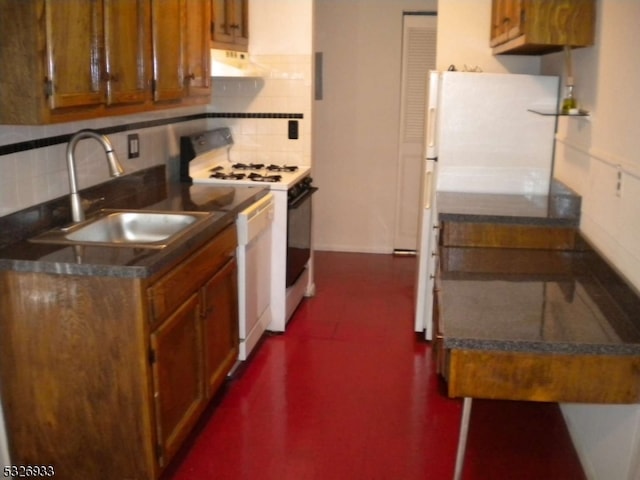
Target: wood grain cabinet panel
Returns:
[197, 48]
[177, 361]
[168, 292]
[96, 382]
[82, 59]
[220, 335]
[168, 33]
[230, 24]
[463, 234]
[127, 54]
[73, 32]
[75, 380]
[195, 342]
[537, 27]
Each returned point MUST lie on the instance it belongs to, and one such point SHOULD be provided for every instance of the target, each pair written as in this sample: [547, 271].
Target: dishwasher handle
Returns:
[255, 219]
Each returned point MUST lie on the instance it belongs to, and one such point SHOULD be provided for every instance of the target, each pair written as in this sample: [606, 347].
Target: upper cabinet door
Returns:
[222, 21]
[230, 24]
[538, 27]
[241, 35]
[168, 34]
[127, 51]
[197, 78]
[73, 53]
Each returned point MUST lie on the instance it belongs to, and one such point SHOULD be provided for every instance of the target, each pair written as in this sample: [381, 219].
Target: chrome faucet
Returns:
[77, 212]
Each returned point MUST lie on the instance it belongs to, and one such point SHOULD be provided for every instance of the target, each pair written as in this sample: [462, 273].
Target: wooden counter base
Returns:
[543, 377]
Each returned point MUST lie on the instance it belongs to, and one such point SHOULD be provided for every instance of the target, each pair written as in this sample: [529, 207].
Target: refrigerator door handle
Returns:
[431, 128]
[428, 185]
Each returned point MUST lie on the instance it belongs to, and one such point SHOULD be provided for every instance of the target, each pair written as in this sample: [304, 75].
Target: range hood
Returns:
[228, 63]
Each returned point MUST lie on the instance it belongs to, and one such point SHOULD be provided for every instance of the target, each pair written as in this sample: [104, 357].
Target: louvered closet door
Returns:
[418, 57]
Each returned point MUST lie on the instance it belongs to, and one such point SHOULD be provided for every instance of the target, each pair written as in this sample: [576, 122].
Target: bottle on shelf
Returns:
[569, 103]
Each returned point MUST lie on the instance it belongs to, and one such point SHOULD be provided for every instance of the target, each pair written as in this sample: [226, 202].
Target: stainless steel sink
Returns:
[126, 228]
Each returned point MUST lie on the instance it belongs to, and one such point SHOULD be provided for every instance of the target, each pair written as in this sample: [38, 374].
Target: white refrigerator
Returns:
[481, 137]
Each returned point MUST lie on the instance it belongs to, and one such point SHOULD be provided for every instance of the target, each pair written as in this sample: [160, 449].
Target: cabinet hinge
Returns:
[48, 87]
[152, 356]
[213, 28]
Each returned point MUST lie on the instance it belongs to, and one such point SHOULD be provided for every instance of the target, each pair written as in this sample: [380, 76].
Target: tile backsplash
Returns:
[37, 175]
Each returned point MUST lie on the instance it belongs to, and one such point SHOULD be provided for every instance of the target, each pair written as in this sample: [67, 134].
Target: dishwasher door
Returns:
[254, 272]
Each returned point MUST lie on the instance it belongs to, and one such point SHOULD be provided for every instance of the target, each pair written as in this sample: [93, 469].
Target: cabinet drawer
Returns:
[186, 277]
[462, 234]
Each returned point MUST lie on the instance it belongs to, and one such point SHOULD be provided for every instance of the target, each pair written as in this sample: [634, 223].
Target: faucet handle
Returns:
[90, 203]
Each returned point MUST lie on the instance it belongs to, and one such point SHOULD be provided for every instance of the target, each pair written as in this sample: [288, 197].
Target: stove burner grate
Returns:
[250, 166]
[256, 177]
[227, 176]
[282, 168]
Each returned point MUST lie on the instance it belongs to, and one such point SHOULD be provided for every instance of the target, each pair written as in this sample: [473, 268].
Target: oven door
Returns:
[298, 235]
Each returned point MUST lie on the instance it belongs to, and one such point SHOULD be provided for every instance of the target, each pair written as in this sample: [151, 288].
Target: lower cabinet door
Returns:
[177, 364]
[220, 325]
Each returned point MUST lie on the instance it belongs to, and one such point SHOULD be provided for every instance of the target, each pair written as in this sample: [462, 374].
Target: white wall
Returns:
[356, 123]
[281, 42]
[39, 175]
[590, 154]
[463, 39]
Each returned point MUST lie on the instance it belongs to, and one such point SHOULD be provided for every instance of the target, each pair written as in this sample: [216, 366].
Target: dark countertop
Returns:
[519, 300]
[560, 208]
[142, 190]
[564, 302]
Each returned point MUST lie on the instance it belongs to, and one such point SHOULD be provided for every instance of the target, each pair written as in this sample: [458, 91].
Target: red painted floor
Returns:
[349, 392]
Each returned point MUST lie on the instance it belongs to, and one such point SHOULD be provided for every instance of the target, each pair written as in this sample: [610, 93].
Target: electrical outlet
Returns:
[293, 130]
[133, 143]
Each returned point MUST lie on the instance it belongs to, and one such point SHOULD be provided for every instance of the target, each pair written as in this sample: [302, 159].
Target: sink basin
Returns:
[126, 228]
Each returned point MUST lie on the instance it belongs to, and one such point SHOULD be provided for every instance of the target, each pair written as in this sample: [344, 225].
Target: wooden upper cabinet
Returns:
[74, 33]
[71, 60]
[537, 27]
[197, 55]
[126, 39]
[230, 24]
[50, 60]
[168, 34]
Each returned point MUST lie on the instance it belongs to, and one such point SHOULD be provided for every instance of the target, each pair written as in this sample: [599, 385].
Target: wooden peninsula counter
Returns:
[525, 309]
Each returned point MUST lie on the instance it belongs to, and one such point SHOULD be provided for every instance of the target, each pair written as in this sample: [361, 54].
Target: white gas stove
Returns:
[273, 176]
[206, 158]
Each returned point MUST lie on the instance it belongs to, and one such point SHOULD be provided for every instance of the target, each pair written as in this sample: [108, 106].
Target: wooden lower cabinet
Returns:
[220, 336]
[177, 364]
[101, 382]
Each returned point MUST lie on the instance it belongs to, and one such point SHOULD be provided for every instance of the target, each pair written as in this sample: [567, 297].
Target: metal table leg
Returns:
[462, 439]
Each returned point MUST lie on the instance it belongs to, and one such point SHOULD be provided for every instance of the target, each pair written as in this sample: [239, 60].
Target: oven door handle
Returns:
[296, 202]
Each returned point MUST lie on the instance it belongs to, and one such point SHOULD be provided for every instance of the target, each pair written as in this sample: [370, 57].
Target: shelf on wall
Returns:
[553, 113]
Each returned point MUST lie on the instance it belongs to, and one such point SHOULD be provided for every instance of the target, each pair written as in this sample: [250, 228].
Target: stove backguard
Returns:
[192, 146]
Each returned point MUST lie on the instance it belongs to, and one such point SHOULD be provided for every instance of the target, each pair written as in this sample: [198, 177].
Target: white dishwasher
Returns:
[254, 272]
